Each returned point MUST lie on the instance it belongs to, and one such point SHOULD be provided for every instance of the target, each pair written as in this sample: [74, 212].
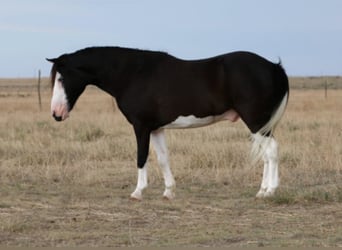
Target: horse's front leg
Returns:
[159, 144]
[143, 140]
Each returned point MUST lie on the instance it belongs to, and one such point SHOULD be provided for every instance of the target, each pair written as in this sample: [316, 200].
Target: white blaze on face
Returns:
[59, 102]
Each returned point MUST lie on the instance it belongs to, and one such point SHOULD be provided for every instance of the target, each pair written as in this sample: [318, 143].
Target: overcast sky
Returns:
[305, 34]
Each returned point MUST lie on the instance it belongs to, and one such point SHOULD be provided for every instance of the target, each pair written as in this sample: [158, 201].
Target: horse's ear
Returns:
[52, 60]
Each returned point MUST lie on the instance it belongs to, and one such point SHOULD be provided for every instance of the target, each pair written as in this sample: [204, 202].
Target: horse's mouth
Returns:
[60, 118]
[57, 118]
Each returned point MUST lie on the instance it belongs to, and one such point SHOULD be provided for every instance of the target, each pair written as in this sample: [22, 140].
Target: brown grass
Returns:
[67, 184]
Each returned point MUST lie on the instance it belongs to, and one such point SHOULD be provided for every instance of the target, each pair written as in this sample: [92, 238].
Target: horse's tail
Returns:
[261, 138]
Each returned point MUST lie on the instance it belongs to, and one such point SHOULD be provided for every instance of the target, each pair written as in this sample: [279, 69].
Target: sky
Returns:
[305, 34]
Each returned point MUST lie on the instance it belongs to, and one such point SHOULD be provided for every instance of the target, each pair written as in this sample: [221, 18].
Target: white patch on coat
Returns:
[192, 121]
[59, 102]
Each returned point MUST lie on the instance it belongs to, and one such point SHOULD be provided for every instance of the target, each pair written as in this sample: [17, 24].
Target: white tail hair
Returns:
[260, 142]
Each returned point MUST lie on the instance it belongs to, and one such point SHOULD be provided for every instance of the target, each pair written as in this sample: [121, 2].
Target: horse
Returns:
[156, 91]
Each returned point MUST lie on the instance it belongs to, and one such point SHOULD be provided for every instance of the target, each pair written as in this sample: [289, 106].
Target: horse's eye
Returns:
[61, 79]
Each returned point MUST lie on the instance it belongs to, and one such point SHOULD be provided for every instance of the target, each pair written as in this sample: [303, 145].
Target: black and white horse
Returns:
[156, 91]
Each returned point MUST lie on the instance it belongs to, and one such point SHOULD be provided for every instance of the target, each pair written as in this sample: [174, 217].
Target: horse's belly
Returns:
[192, 121]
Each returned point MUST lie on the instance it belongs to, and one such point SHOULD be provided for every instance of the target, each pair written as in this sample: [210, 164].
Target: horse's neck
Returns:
[112, 82]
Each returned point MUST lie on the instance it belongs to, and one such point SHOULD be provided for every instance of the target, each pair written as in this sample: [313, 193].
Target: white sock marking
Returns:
[141, 184]
[272, 156]
[270, 179]
[159, 144]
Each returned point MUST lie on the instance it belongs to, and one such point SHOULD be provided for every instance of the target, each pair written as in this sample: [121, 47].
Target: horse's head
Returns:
[68, 82]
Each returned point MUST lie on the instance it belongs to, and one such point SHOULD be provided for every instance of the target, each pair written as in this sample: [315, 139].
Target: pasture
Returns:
[68, 184]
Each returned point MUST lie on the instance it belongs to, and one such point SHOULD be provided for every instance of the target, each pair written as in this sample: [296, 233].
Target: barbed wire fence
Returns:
[39, 86]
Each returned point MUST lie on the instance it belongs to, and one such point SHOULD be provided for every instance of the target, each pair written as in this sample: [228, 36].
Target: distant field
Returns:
[332, 82]
[68, 184]
[313, 82]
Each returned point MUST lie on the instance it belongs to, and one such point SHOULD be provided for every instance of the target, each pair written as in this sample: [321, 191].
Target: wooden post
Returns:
[113, 104]
[39, 96]
[326, 89]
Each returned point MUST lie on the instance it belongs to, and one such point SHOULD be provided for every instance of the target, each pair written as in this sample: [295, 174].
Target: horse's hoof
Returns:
[265, 193]
[261, 193]
[136, 196]
[169, 195]
[269, 193]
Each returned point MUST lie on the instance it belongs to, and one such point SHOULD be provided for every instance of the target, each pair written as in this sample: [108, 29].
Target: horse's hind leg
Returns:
[264, 182]
[270, 179]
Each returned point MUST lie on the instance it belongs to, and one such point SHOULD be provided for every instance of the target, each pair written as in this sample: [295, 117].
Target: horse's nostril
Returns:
[57, 118]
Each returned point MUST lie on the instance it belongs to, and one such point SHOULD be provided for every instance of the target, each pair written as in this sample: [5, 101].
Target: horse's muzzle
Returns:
[57, 118]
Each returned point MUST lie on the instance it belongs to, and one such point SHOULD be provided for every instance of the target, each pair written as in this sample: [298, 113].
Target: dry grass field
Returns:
[68, 184]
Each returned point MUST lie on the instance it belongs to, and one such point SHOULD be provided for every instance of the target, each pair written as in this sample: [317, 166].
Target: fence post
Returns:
[39, 97]
[113, 104]
[326, 89]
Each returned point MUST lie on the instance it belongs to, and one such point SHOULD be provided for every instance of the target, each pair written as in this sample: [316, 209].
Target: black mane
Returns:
[53, 73]
[101, 54]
